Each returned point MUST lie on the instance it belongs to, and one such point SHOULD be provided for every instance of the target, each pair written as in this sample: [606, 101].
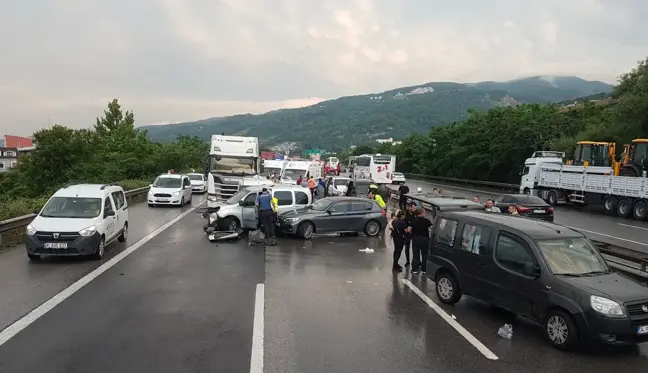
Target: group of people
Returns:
[409, 229]
[490, 206]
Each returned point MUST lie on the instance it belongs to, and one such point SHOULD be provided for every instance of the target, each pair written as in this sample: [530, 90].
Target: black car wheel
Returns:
[640, 210]
[624, 208]
[447, 288]
[560, 329]
[372, 228]
[306, 230]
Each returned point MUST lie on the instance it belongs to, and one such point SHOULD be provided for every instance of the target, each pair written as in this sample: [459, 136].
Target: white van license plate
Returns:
[642, 329]
[56, 245]
[539, 211]
[163, 200]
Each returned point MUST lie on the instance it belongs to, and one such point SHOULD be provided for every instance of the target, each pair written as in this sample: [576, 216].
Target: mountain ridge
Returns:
[393, 113]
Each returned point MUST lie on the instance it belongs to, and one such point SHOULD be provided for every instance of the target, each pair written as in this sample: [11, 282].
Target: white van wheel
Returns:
[124, 235]
[101, 250]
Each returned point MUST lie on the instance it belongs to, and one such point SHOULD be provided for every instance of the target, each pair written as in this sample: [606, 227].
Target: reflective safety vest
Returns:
[380, 201]
[275, 204]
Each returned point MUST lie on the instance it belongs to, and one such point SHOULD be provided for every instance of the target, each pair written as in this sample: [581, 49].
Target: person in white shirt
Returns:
[490, 207]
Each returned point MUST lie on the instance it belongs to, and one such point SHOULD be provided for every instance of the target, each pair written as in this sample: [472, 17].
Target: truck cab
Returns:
[531, 169]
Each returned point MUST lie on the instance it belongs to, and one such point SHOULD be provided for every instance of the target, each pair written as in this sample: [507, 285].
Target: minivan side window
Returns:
[250, 200]
[512, 252]
[474, 239]
[186, 182]
[108, 205]
[446, 231]
[301, 198]
[284, 197]
[117, 197]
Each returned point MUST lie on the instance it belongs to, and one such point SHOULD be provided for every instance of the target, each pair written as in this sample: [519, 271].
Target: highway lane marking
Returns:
[608, 236]
[38, 312]
[632, 226]
[256, 359]
[444, 315]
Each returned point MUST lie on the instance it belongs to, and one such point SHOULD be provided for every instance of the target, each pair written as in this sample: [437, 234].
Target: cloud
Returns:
[170, 60]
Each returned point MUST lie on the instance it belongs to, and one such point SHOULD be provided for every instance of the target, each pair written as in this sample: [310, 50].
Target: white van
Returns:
[294, 169]
[170, 189]
[79, 220]
[239, 211]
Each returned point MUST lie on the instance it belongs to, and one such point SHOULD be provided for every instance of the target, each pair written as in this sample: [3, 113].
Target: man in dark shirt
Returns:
[266, 213]
[419, 228]
[402, 196]
[410, 214]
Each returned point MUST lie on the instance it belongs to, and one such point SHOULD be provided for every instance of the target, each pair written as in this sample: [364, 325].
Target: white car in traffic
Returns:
[198, 183]
[397, 178]
[170, 190]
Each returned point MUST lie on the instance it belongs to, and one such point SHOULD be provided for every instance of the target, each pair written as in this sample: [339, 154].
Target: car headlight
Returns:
[606, 306]
[30, 230]
[88, 231]
[213, 217]
[291, 220]
[176, 193]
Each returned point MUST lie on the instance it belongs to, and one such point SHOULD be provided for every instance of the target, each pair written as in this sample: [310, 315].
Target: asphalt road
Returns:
[177, 304]
[24, 285]
[628, 233]
[332, 308]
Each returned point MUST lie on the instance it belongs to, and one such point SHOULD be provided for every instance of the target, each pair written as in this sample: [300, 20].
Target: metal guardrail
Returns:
[629, 262]
[490, 184]
[23, 221]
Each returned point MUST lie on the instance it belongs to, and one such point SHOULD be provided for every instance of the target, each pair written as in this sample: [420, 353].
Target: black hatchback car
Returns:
[540, 271]
[526, 205]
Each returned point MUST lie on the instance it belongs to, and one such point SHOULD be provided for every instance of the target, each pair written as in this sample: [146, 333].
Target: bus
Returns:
[376, 167]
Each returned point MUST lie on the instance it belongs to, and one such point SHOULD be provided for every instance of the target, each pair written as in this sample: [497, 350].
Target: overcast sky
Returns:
[61, 61]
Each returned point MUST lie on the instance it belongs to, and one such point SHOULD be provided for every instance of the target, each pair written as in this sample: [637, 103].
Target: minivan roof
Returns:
[171, 176]
[86, 190]
[258, 188]
[537, 230]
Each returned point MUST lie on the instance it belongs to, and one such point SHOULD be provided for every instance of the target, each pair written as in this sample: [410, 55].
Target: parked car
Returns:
[334, 215]
[397, 178]
[79, 220]
[541, 271]
[338, 186]
[170, 189]
[528, 206]
[198, 183]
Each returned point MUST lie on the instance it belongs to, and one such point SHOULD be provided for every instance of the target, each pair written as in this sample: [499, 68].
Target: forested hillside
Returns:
[395, 113]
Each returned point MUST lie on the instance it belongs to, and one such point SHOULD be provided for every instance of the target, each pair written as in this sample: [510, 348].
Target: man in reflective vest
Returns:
[379, 200]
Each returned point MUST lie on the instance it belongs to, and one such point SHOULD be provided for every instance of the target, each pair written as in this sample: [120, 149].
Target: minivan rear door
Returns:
[474, 260]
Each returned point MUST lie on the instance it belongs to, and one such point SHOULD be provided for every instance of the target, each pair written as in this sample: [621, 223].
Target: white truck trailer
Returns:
[546, 176]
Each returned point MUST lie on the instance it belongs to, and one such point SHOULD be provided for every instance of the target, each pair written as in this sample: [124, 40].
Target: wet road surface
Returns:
[623, 232]
[177, 304]
[331, 308]
[24, 285]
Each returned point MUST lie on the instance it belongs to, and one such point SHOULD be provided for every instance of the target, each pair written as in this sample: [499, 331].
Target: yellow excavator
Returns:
[633, 160]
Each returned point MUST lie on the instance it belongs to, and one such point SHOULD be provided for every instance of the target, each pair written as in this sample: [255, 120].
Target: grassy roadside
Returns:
[15, 207]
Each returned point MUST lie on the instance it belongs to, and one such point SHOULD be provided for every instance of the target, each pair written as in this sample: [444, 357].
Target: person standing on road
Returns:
[267, 214]
[311, 186]
[402, 196]
[351, 190]
[490, 207]
[399, 225]
[410, 214]
[378, 199]
[420, 230]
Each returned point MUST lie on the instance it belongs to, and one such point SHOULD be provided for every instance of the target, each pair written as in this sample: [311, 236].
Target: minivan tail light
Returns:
[550, 210]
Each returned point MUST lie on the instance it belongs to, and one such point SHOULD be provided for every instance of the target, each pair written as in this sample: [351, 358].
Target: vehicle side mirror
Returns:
[242, 203]
[331, 210]
[150, 185]
[109, 213]
[531, 269]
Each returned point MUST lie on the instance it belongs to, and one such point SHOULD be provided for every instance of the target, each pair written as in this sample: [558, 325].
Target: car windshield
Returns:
[167, 182]
[398, 174]
[321, 205]
[290, 173]
[267, 171]
[572, 256]
[72, 207]
[339, 182]
[233, 200]
[196, 177]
